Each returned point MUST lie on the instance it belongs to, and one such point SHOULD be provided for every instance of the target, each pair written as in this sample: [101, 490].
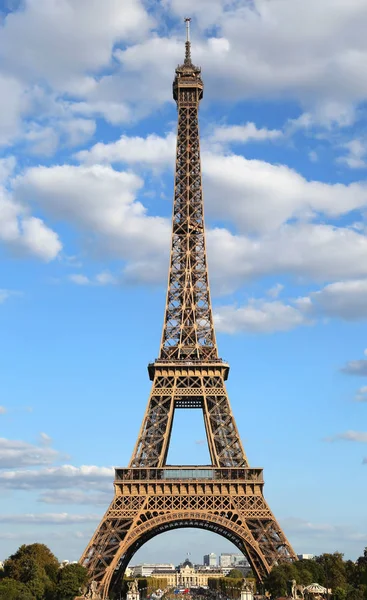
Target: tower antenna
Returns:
[188, 43]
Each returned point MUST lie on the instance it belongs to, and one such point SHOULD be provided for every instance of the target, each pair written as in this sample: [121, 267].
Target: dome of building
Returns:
[187, 563]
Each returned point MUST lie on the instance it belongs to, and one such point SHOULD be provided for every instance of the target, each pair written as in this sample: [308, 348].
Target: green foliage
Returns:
[36, 567]
[34, 573]
[146, 585]
[333, 569]
[346, 579]
[70, 581]
[226, 586]
[235, 574]
[14, 590]
[277, 582]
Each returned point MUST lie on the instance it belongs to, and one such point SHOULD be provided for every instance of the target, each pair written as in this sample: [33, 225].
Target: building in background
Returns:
[305, 556]
[228, 559]
[187, 575]
[225, 560]
[146, 569]
[210, 560]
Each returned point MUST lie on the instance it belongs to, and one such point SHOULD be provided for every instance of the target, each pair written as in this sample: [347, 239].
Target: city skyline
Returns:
[88, 135]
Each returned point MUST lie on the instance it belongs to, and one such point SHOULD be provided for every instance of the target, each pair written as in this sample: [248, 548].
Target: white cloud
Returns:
[5, 294]
[266, 50]
[3, 410]
[327, 532]
[313, 156]
[361, 395]
[152, 150]
[79, 279]
[12, 105]
[244, 133]
[356, 157]
[258, 316]
[45, 439]
[275, 290]
[66, 476]
[66, 39]
[103, 278]
[42, 141]
[49, 519]
[21, 232]
[260, 196]
[320, 252]
[76, 497]
[77, 131]
[15, 453]
[349, 436]
[329, 115]
[119, 224]
[344, 299]
[355, 367]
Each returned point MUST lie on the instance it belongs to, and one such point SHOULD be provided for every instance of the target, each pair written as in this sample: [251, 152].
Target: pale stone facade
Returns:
[187, 575]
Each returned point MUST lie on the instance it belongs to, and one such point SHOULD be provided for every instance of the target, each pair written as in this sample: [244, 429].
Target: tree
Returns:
[277, 582]
[71, 579]
[35, 566]
[361, 569]
[235, 574]
[334, 572]
[14, 590]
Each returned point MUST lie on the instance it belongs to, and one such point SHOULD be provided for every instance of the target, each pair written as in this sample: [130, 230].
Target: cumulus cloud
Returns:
[103, 278]
[275, 290]
[66, 476]
[152, 150]
[119, 224]
[320, 530]
[356, 154]
[12, 106]
[45, 439]
[344, 299]
[60, 47]
[18, 454]
[260, 196]
[348, 436]
[361, 395]
[49, 519]
[76, 497]
[267, 50]
[79, 279]
[258, 316]
[21, 232]
[319, 252]
[355, 367]
[4, 295]
[244, 133]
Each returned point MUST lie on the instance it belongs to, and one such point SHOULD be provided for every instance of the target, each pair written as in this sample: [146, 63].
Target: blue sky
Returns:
[87, 141]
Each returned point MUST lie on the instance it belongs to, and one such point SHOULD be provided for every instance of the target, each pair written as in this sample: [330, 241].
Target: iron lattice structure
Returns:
[150, 496]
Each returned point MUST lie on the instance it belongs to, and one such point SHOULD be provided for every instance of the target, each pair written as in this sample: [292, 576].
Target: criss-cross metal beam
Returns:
[150, 496]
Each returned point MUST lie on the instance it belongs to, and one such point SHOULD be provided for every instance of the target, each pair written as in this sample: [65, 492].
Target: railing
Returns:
[190, 361]
[187, 473]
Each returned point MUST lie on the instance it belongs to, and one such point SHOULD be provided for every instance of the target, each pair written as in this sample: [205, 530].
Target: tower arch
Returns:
[151, 496]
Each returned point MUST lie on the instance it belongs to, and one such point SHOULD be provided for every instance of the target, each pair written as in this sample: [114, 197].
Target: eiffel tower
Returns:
[152, 497]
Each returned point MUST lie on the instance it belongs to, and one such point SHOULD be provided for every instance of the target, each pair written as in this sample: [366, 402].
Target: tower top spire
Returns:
[188, 42]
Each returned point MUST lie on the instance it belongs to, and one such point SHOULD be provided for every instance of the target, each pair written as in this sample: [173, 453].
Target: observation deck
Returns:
[189, 473]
